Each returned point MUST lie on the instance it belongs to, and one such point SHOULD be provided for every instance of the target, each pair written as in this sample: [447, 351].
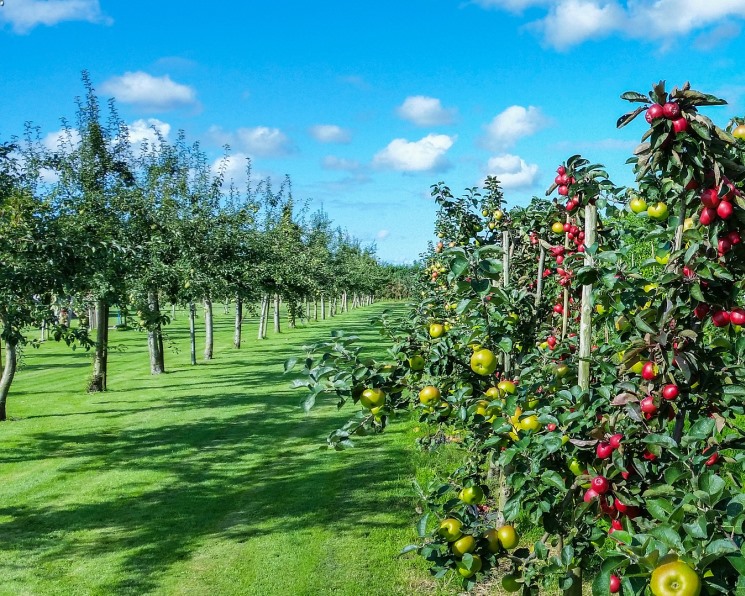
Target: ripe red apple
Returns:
[561, 170]
[615, 584]
[561, 180]
[737, 316]
[600, 484]
[615, 525]
[720, 318]
[649, 371]
[559, 309]
[649, 456]
[590, 495]
[603, 450]
[723, 246]
[647, 405]
[670, 391]
[710, 198]
[688, 272]
[708, 216]
[712, 460]
[551, 427]
[734, 237]
[563, 190]
[701, 310]
[680, 125]
[654, 112]
[671, 110]
[615, 440]
[725, 210]
[551, 341]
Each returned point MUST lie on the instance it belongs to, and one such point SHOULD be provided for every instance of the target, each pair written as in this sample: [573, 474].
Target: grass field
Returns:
[205, 480]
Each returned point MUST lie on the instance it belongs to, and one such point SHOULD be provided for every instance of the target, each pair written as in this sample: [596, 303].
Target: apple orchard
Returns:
[577, 366]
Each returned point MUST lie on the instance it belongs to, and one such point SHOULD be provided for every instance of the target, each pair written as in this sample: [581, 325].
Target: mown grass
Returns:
[204, 480]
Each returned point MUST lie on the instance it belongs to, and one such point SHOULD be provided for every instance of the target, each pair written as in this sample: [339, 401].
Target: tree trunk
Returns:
[11, 362]
[262, 316]
[238, 322]
[208, 330]
[307, 310]
[315, 308]
[265, 317]
[323, 308]
[154, 342]
[101, 355]
[193, 333]
[277, 328]
[585, 325]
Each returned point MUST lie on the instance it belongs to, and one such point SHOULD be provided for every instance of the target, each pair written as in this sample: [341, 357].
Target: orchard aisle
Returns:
[206, 480]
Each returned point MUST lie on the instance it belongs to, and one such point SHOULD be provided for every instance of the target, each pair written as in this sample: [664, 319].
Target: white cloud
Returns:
[571, 22]
[24, 15]
[331, 162]
[425, 111]
[330, 133]
[512, 171]
[61, 140]
[148, 130]
[513, 124]
[382, 234]
[259, 141]
[427, 154]
[149, 92]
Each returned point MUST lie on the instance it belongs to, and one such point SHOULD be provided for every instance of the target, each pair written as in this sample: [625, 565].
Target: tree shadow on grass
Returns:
[225, 479]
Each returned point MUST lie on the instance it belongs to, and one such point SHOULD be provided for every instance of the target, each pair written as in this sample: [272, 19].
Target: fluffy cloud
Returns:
[424, 155]
[512, 171]
[331, 162]
[513, 124]
[142, 130]
[425, 111]
[330, 133]
[61, 140]
[24, 15]
[571, 22]
[259, 141]
[382, 234]
[149, 92]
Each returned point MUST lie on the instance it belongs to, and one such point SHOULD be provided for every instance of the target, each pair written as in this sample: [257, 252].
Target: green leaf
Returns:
[421, 526]
[290, 364]
[553, 478]
[458, 265]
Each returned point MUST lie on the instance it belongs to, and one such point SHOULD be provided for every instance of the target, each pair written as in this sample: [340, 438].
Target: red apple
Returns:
[723, 246]
[720, 318]
[654, 112]
[590, 495]
[737, 316]
[600, 485]
[615, 584]
[615, 525]
[647, 405]
[712, 460]
[671, 110]
[561, 170]
[649, 456]
[725, 210]
[701, 310]
[551, 427]
[708, 216]
[680, 125]
[649, 371]
[734, 237]
[710, 198]
[615, 440]
[563, 190]
[670, 391]
[603, 450]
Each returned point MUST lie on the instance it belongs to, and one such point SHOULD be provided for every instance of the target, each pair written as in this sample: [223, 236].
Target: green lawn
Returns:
[205, 480]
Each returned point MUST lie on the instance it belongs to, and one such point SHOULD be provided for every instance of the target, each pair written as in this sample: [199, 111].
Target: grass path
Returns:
[206, 480]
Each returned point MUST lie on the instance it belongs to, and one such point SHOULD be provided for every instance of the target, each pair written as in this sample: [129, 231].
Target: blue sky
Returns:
[366, 104]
